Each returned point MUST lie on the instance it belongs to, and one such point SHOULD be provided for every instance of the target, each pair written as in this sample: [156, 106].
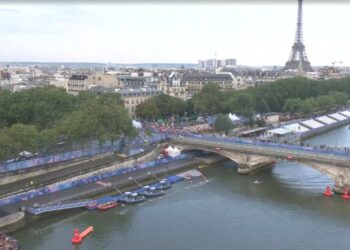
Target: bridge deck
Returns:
[268, 149]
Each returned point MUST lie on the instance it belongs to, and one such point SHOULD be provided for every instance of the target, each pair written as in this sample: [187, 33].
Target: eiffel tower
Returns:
[298, 59]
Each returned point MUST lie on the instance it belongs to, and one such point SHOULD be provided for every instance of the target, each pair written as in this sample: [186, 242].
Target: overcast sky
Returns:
[255, 34]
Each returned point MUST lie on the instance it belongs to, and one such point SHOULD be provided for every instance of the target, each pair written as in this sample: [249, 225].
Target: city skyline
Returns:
[172, 33]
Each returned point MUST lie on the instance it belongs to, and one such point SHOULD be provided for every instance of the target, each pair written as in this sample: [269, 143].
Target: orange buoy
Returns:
[346, 195]
[328, 192]
[86, 232]
[76, 238]
[289, 157]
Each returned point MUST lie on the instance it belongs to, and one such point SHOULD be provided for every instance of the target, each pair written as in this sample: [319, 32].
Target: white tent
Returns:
[233, 117]
[173, 151]
[25, 153]
[136, 124]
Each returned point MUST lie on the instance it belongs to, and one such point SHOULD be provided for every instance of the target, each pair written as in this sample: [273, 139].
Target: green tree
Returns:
[340, 98]
[293, 105]
[23, 137]
[243, 104]
[6, 144]
[147, 109]
[97, 120]
[48, 139]
[208, 101]
[326, 102]
[223, 123]
[308, 106]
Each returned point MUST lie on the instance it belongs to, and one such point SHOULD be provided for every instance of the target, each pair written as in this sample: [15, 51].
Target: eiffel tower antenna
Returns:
[298, 56]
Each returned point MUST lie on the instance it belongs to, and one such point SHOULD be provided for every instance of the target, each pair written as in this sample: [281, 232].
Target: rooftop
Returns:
[206, 77]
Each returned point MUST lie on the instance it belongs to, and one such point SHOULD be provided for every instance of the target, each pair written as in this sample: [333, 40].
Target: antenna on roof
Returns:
[215, 61]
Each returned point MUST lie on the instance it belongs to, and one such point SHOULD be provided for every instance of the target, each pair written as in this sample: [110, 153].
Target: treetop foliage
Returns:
[37, 119]
[294, 95]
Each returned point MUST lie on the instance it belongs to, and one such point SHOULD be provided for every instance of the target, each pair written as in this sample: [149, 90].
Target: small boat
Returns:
[7, 242]
[129, 197]
[152, 191]
[257, 181]
[202, 166]
[163, 184]
[107, 205]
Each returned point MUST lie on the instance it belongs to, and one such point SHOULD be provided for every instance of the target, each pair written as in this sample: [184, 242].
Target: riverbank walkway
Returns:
[93, 188]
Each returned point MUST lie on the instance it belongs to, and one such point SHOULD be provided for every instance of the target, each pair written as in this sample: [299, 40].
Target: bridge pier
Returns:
[339, 174]
[342, 181]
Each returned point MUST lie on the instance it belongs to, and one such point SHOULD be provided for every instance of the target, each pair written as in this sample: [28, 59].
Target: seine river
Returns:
[285, 211]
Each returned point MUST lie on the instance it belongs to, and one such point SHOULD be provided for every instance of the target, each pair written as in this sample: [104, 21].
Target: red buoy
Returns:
[346, 195]
[76, 238]
[328, 192]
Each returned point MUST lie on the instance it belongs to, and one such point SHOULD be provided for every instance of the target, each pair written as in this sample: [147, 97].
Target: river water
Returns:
[285, 211]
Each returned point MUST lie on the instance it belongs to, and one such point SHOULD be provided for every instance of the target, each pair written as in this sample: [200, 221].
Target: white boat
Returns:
[257, 181]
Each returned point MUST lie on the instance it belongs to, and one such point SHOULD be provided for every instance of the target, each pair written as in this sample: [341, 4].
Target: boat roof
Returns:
[134, 194]
[127, 193]
[146, 187]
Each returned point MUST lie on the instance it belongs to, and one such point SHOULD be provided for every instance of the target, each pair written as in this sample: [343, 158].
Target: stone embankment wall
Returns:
[12, 222]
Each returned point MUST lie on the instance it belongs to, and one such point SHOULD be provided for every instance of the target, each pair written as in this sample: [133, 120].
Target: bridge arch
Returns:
[236, 158]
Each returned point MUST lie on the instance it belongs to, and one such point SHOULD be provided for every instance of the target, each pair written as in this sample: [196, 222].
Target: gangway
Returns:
[58, 207]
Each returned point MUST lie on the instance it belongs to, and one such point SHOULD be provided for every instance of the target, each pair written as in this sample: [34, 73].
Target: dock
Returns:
[85, 203]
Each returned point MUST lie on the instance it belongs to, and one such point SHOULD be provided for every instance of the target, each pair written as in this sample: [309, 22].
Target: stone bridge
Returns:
[251, 157]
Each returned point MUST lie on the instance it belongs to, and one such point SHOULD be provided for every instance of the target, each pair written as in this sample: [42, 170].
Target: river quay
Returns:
[123, 183]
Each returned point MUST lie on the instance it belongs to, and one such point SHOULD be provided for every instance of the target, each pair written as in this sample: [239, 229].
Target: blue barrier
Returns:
[55, 158]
